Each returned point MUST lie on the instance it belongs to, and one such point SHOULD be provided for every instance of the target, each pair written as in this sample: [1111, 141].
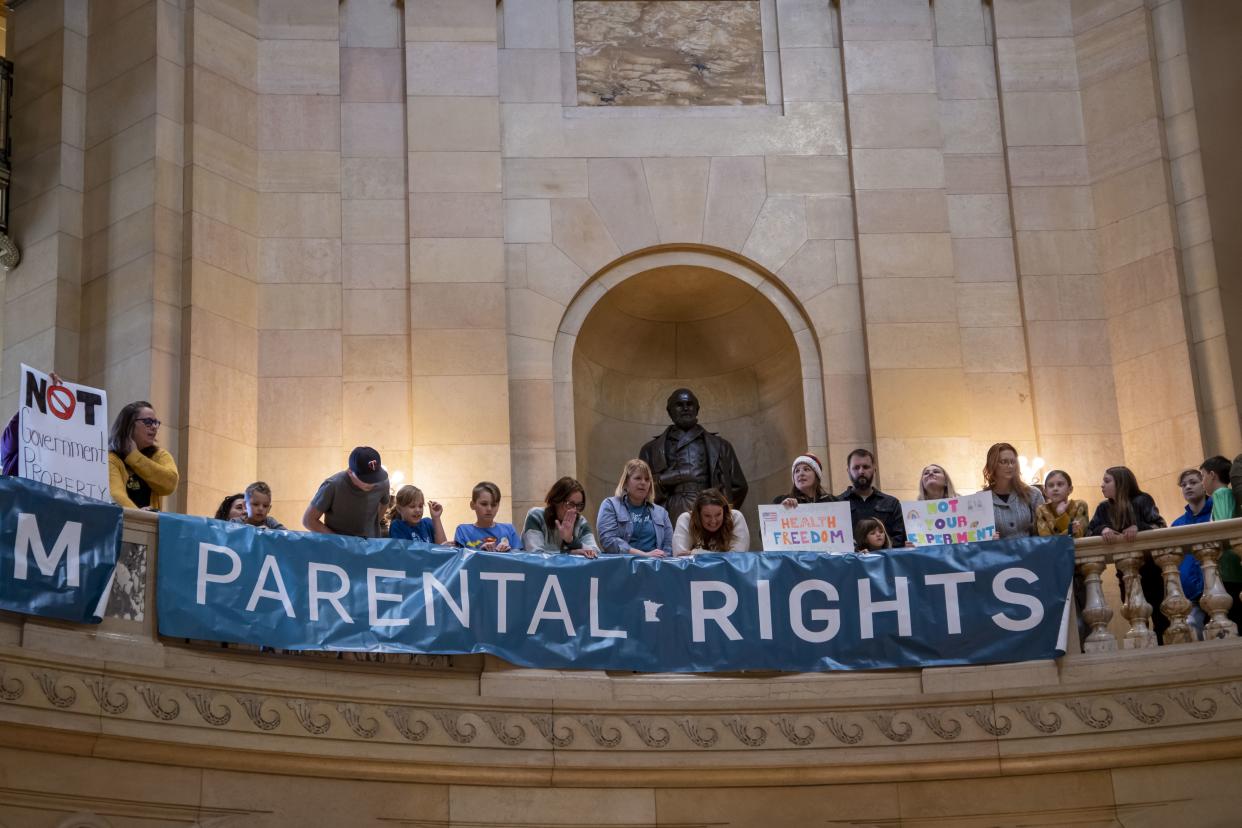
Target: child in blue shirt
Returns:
[485, 534]
[406, 521]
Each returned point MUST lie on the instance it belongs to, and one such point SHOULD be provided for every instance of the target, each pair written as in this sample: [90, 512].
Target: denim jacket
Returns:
[614, 529]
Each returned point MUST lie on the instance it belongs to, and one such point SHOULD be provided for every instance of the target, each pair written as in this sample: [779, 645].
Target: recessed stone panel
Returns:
[669, 52]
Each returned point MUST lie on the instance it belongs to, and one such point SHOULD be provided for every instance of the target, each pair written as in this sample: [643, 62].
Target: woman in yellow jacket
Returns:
[140, 473]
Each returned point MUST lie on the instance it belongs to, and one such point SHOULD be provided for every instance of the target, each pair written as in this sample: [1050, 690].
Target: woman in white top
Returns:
[711, 526]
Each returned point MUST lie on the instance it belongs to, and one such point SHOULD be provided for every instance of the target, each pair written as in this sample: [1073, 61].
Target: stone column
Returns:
[222, 302]
[42, 294]
[1046, 159]
[458, 355]
[905, 245]
[989, 313]
[300, 400]
[1136, 235]
[375, 308]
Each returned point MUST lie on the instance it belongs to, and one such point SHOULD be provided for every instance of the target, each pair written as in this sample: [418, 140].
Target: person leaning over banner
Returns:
[140, 473]
[866, 501]
[1013, 501]
[711, 526]
[935, 483]
[1126, 511]
[631, 522]
[348, 502]
[808, 483]
[558, 525]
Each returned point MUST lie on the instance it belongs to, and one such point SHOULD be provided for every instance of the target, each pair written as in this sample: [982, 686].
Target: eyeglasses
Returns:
[579, 505]
[149, 422]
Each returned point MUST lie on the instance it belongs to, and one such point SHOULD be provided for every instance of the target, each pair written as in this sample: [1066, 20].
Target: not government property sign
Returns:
[63, 435]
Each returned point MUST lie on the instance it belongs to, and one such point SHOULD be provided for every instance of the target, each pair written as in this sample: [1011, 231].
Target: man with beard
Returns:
[866, 501]
[686, 459]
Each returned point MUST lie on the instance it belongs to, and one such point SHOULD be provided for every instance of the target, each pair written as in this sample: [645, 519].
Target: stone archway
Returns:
[699, 318]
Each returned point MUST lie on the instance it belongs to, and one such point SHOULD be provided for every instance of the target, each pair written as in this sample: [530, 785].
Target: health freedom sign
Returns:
[988, 602]
[63, 435]
[57, 551]
[963, 519]
[807, 527]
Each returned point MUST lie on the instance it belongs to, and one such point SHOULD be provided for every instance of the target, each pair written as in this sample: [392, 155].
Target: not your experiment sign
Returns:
[993, 601]
[63, 435]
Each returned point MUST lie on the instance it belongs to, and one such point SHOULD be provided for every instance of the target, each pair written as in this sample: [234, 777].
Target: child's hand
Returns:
[1130, 533]
[1062, 506]
[502, 545]
[488, 545]
[1110, 536]
[434, 508]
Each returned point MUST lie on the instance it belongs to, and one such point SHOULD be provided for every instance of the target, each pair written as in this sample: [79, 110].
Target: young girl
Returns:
[1126, 510]
[406, 521]
[485, 533]
[710, 526]
[871, 536]
[1060, 515]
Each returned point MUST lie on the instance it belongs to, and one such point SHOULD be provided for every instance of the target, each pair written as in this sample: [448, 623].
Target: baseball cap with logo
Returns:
[364, 461]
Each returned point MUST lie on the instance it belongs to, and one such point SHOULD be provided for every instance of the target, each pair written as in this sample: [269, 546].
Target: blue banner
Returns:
[57, 551]
[995, 601]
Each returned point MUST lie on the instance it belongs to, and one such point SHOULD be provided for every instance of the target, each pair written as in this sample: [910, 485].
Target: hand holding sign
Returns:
[807, 527]
[962, 519]
[64, 434]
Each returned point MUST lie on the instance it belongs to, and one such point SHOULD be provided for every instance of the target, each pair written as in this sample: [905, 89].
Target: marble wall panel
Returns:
[692, 52]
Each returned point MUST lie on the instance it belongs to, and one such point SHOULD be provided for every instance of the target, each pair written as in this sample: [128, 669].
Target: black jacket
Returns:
[883, 506]
[1147, 516]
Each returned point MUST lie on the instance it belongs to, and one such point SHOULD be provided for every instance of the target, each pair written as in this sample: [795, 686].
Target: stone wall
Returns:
[298, 226]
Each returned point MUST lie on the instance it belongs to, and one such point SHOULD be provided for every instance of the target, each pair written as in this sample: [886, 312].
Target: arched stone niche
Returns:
[692, 318]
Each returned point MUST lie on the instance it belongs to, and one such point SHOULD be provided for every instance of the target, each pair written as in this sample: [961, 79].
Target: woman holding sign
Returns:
[1013, 501]
[711, 526]
[808, 483]
[935, 483]
[140, 473]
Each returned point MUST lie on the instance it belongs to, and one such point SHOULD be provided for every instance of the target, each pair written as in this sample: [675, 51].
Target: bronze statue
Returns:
[687, 459]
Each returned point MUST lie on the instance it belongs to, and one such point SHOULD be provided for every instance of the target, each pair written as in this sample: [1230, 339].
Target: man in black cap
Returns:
[349, 502]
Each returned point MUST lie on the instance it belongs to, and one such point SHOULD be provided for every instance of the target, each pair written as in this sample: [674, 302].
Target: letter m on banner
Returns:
[28, 541]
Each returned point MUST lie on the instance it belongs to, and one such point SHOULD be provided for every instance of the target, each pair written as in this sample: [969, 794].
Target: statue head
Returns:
[683, 408]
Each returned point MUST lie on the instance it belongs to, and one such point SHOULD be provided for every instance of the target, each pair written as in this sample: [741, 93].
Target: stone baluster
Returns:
[1175, 606]
[1215, 601]
[1096, 612]
[1135, 607]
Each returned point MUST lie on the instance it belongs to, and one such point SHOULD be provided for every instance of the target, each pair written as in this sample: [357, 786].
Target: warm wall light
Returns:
[1031, 470]
[397, 477]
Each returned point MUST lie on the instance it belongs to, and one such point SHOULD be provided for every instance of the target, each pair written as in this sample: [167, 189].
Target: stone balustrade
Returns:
[1166, 549]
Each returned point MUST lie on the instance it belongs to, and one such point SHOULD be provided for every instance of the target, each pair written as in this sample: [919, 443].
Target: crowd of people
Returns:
[358, 501]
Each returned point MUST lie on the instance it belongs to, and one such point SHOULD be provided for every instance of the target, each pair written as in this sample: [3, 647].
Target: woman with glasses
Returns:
[1013, 501]
[559, 526]
[141, 473]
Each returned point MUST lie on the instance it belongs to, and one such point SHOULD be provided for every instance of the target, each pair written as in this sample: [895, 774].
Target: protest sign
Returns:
[808, 527]
[63, 435]
[962, 519]
[989, 602]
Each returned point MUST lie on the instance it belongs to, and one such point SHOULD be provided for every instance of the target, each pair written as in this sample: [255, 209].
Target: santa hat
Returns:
[810, 460]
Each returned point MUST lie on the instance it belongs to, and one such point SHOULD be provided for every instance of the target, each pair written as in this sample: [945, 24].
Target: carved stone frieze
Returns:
[802, 727]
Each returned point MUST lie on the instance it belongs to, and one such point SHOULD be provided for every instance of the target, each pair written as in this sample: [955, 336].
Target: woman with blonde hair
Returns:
[711, 525]
[631, 522]
[1013, 501]
[935, 483]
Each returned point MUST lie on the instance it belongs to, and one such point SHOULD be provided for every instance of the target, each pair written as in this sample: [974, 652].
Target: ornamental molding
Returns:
[1204, 705]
